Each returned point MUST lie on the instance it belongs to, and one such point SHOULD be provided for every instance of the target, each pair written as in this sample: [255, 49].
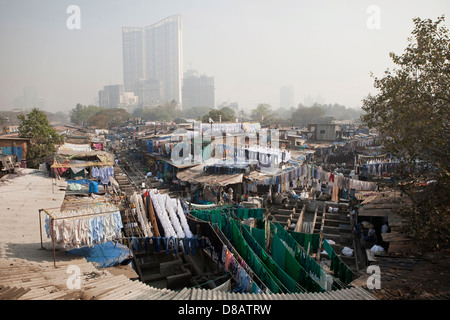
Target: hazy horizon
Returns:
[251, 48]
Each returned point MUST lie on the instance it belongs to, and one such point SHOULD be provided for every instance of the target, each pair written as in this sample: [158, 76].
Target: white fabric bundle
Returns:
[377, 249]
[138, 209]
[348, 252]
[183, 220]
[158, 203]
[171, 207]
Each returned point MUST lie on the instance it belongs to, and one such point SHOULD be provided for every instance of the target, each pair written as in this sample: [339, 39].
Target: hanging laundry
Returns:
[86, 227]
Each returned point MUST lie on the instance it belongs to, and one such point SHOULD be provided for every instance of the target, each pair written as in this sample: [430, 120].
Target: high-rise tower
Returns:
[154, 54]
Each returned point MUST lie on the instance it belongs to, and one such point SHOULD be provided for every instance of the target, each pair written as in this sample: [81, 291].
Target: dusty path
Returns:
[21, 196]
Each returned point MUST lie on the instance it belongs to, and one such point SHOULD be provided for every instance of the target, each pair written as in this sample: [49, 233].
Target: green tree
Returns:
[166, 112]
[43, 137]
[219, 115]
[229, 113]
[411, 112]
[109, 118]
[80, 115]
[195, 112]
[303, 116]
[262, 113]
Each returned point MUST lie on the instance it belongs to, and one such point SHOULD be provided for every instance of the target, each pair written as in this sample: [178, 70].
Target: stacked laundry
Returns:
[140, 212]
[171, 215]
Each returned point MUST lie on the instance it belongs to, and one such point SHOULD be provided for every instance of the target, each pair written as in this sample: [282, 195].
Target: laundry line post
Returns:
[53, 235]
[53, 218]
[53, 240]
[40, 228]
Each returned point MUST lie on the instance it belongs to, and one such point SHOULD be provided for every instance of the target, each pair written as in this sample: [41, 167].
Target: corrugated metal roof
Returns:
[27, 281]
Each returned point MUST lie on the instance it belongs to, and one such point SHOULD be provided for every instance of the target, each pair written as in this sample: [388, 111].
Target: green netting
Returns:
[230, 228]
[340, 269]
[306, 239]
[238, 241]
[258, 234]
[245, 213]
[287, 282]
[279, 252]
[292, 266]
[306, 261]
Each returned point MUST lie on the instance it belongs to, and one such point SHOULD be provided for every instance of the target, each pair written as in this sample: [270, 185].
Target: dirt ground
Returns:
[21, 196]
[415, 277]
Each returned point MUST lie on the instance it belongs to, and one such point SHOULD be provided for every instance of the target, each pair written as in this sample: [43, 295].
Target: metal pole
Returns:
[40, 228]
[53, 240]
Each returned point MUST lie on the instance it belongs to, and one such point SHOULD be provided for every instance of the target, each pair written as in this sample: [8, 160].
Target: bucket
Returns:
[93, 187]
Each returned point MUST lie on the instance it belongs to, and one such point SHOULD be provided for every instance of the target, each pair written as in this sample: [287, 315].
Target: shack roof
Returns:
[196, 175]
[384, 204]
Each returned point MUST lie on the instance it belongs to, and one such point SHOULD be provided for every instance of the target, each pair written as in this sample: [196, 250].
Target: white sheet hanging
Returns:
[171, 207]
[85, 227]
[159, 205]
[183, 219]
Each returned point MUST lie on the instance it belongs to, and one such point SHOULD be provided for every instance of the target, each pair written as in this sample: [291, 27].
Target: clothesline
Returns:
[219, 218]
[234, 263]
[73, 228]
[306, 174]
[77, 216]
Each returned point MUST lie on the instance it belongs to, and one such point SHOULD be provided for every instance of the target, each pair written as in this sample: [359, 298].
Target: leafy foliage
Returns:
[166, 112]
[195, 112]
[411, 112]
[225, 115]
[109, 118]
[306, 115]
[80, 115]
[262, 113]
[43, 137]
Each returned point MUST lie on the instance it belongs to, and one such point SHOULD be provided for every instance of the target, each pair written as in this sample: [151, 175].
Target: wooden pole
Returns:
[40, 228]
[53, 240]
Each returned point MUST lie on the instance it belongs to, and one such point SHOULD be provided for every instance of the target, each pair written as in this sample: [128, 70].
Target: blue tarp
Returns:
[104, 255]
[81, 181]
[13, 150]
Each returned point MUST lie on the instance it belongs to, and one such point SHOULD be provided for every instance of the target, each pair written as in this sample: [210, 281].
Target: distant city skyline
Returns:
[251, 48]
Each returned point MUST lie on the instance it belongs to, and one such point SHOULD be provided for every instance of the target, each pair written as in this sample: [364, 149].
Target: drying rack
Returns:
[51, 215]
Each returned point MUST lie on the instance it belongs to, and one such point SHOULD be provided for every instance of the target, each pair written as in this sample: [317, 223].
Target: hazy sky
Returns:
[251, 47]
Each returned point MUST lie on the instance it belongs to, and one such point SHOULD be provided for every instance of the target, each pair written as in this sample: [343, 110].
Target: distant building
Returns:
[114, 96]
[309, 101]
[128, 99]
[324, 132]
[198, 91]
[286, 97]
[154, 54]
[149, 92]
[29, 99]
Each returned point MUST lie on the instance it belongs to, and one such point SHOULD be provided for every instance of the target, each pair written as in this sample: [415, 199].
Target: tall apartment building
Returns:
[198, 91]
[286, 97]
[29, 99]
[153, 60]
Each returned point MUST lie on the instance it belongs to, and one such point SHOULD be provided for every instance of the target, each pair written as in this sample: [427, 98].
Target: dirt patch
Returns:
[415, 278]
